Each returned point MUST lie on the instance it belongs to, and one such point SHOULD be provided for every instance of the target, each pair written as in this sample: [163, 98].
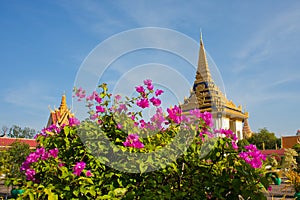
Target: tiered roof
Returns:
[61, 115]
[246, 129]
[206, 96]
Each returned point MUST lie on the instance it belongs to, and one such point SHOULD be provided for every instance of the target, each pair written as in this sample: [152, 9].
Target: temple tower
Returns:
[206, 96]
[61, 115]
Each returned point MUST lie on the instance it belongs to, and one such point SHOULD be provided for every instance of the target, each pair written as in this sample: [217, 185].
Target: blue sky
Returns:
[255, 45]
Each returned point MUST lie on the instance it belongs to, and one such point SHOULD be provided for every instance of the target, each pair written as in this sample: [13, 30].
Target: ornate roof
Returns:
[205, 94]
[61, 115]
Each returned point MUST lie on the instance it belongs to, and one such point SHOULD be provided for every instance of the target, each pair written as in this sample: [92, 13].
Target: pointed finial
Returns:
[50, 109]
[200, 33]
[63, 104]
[201, 41]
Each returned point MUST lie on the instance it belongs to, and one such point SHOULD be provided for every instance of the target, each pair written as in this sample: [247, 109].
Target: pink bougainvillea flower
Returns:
[30, 173]
[143, 103]
[92, 96]
[25, 165]
[122, 107]
[148, 82]
[140, 89]
[252, 156]
[227, 133]
[52, 128]
[40, 151]
[80, 93]
[79, 166]
[155, 101]
[207, 117]
[157, 120]
[119, 126]
[61, 164]
[98, 99]
[74, 121]
[88, 173]
[195, 112]
[142, 123]
[118, 98]
[175, 114]
[132, 140]
[94, 116]
[132, 117]
[45, 156]
[100, 109]
[53, 152]
[158, 92]
[205, 132]
[150, 87]
[32, 157]
[234, 145]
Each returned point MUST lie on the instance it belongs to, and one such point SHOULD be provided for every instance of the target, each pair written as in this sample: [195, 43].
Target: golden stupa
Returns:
[206, 96]
[61, 115]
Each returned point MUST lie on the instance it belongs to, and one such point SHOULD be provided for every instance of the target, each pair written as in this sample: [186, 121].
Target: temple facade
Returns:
[206, 96]
[61, 115]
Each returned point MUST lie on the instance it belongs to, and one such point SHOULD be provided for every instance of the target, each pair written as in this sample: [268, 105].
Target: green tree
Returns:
[4, 130]
[13, 159]
[264, 137]
[18, 132]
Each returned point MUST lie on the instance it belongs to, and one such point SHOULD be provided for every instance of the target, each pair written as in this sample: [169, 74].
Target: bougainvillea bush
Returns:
[118, 154]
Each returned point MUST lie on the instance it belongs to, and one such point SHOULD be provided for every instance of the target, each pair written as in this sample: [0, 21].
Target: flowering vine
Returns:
[68, 169]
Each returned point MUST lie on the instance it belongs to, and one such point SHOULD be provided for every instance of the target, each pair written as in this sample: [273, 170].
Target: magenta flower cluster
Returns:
[175, 114]
[50, 129]
[80, 93]
[229, 134]
[144, 102]
[74, 121]
[253, 156]
[39, 154]
[205, 116]
[158, 120]
[205, 120]
[148, 96]
[79, 167]
[132, 140]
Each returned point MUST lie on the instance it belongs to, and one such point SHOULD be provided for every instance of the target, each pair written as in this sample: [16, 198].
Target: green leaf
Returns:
[76, 193]
[67, 188]
[119, 192]
[31, 197]
[143, 167]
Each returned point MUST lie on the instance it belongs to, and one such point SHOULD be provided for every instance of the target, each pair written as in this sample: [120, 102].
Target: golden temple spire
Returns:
[246, 129]
[203, 73]
[63, 104]
[61, 115]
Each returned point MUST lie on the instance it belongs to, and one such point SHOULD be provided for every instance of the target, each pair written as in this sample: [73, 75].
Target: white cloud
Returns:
[274, 37]
[32, 95]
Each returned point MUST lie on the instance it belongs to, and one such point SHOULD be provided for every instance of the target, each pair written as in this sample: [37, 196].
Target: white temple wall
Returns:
[225, 123]
[221, 123]
[239, 129]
